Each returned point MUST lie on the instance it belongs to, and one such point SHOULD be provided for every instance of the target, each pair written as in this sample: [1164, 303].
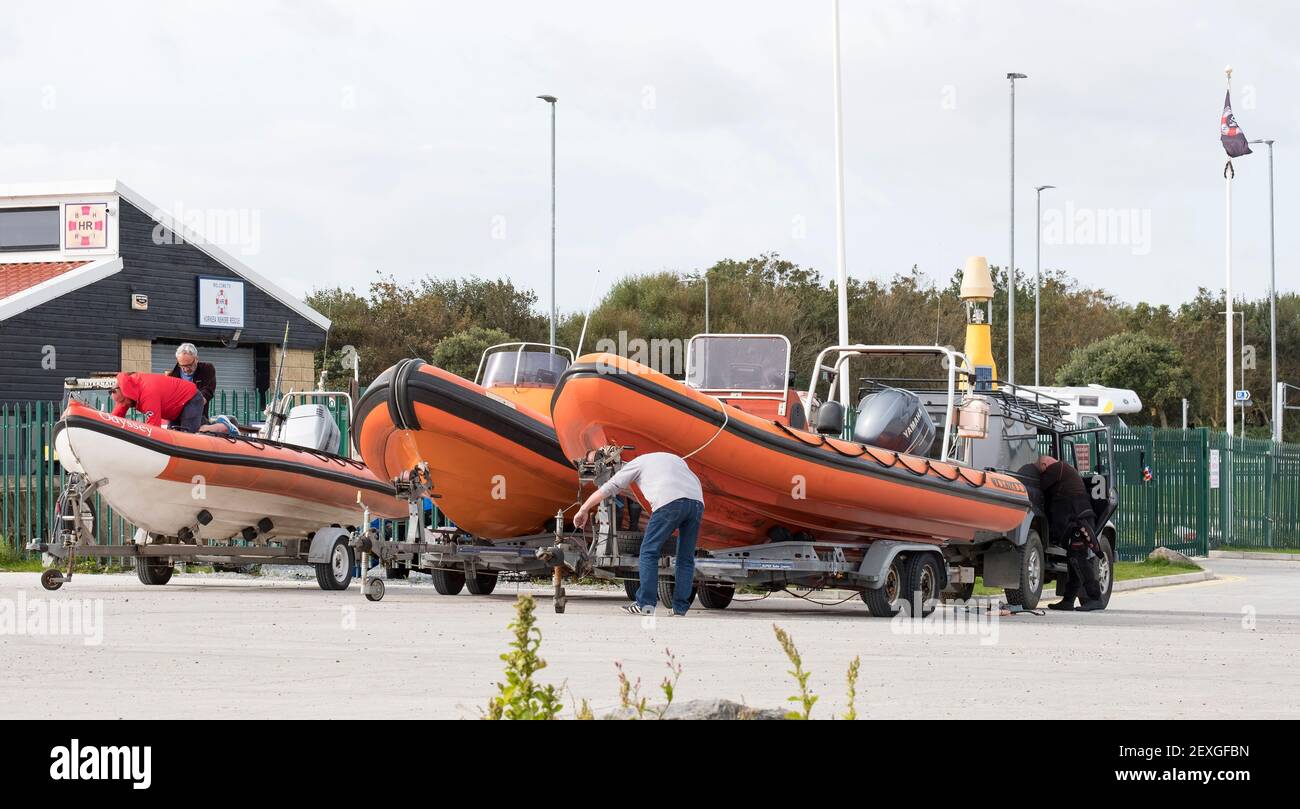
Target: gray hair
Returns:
[186, 348]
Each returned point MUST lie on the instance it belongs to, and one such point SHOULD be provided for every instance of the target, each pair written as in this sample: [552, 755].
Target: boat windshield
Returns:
[757, 363]
[526, 368]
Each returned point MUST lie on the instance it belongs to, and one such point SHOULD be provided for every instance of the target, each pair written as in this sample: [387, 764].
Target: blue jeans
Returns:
[683, 516]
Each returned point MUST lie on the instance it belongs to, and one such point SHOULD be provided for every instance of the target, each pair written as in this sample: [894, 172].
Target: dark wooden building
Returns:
[95, 279]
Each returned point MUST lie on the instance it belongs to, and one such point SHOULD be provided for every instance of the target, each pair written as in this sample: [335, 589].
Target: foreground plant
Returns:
[805, 699]
[519, 697]
[853, 689]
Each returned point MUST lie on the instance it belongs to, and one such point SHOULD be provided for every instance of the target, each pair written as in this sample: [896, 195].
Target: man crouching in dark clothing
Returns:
[1070, 516]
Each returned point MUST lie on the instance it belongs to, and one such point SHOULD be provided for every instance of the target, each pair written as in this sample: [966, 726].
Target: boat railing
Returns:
[954, 362]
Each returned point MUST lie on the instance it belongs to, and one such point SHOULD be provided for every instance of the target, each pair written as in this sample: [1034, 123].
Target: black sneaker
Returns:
[1067, 606]
[637, 609]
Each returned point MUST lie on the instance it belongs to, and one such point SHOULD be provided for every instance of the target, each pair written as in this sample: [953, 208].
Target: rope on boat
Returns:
[726, 417]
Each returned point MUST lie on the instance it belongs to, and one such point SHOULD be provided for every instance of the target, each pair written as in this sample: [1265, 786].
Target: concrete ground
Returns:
[226, 646]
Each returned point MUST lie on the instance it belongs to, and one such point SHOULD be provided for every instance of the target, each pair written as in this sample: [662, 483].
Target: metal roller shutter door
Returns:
[236, 367]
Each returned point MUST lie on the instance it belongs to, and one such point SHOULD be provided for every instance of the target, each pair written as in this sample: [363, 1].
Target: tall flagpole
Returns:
[841, 272]
[1228, 401]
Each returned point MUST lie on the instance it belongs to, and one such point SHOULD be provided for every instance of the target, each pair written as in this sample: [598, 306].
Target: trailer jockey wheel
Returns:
[52, 579]
[375, 591]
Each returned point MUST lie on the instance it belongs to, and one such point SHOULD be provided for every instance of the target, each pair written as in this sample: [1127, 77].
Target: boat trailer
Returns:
[610, 553]
[73, 536]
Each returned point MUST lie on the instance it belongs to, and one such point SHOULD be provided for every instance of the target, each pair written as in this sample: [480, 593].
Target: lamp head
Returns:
[1014, 76]
[549, 99]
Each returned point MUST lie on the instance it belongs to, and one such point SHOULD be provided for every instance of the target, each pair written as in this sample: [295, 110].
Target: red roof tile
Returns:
[14, 278]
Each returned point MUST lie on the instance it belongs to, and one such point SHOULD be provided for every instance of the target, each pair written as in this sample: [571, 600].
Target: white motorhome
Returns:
[1091, 405]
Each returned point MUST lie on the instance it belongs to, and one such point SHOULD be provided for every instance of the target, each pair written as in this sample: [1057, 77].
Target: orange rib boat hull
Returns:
[758, 474]
[496, 465]
[161, 479]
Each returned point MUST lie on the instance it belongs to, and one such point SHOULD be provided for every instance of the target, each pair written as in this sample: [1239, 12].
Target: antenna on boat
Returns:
[272, 410]
[585, 320]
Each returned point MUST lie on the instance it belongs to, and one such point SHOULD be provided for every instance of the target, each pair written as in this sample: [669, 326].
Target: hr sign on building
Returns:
[221, 303]
[84, 226]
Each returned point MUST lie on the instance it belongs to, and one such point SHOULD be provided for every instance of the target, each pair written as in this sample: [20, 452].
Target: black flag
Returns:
[1234, 140]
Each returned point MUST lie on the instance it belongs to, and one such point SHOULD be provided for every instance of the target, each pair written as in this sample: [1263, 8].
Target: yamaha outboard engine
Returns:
[894, 419]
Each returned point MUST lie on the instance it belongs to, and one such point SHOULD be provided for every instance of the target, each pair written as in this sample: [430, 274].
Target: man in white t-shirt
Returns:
[676, 504]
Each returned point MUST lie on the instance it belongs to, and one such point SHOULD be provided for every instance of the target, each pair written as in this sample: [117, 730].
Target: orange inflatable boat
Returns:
[166, 481]
[765, 475]
[493, 457]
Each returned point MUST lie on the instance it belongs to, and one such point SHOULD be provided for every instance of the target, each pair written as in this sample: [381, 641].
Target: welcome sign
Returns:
[221, 303]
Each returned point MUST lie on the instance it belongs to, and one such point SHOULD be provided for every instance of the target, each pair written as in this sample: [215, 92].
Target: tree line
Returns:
[1164, 353]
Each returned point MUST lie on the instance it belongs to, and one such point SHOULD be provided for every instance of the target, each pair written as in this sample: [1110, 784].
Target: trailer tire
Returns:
[447, 582]
[883, 601]
[336, 573]
[666, 585]
[482, 584]
[716, 595]
[153, 571]
[1031, 574]
[630, 588]
[923, 582]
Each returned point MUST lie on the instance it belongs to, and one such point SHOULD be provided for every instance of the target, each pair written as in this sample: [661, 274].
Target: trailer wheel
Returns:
[717, 595]
[447, 582]
[376, 590]
[52, 579]
[336, 574]
[1031, 574]
[483, 584]
[666, 585]
[630, 588]
[153, 571]
[883, 601]
[1105, 569]
[924, 582]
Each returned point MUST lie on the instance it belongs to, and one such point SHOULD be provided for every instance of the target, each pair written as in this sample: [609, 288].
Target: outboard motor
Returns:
[311, 426]
[894, 419]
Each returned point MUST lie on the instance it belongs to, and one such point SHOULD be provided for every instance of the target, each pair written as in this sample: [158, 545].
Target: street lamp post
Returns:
[551, 100]
[1038, 278]
[1272, 288]
[1011, 261]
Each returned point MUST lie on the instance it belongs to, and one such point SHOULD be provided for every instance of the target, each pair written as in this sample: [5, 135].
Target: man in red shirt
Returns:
[159, 398]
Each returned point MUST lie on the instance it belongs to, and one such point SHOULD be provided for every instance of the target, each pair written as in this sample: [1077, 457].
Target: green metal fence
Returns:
[31, 475]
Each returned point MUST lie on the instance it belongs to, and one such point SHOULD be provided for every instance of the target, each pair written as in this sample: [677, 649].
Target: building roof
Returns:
[191, 236]
[25, 285]
[14, 278]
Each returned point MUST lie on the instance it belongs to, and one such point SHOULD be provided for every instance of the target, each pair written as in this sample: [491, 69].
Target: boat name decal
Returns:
[1008, 485]
[126, 424]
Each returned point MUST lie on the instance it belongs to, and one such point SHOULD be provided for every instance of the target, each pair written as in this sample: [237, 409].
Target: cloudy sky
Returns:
[355, 137]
